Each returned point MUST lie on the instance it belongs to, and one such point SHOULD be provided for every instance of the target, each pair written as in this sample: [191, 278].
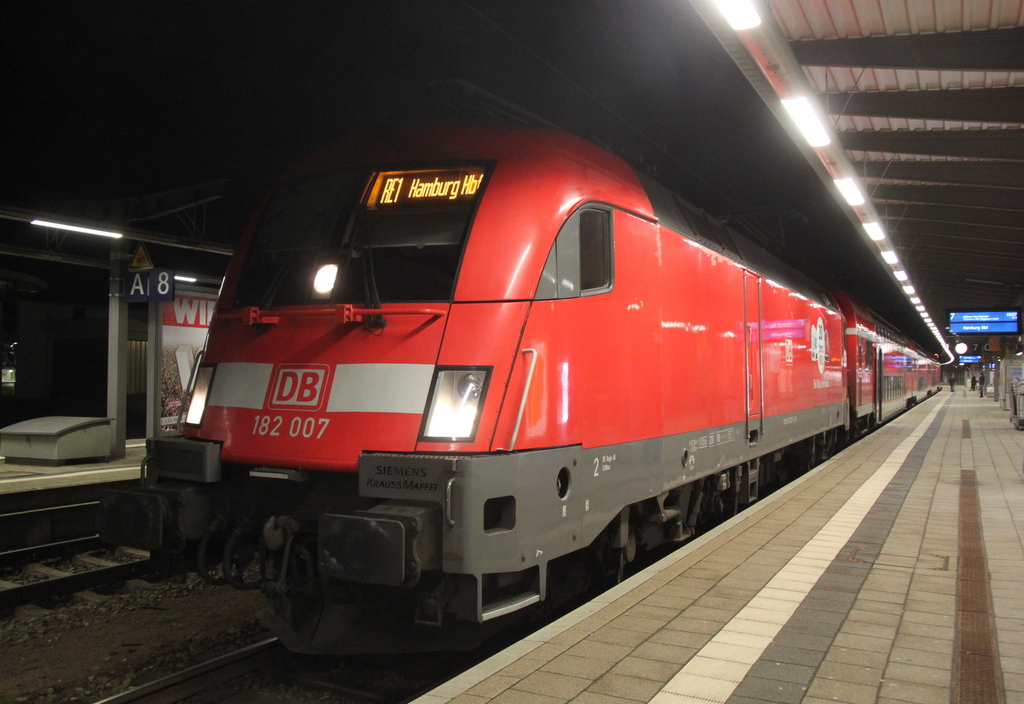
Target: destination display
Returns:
[426, 188]
[970, 358]
[985, 322]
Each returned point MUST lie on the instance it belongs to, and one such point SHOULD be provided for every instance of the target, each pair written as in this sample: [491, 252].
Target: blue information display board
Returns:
[984, 322]
[970, 358]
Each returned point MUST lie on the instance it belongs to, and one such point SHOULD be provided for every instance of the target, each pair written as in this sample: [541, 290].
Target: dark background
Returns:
[106, 101]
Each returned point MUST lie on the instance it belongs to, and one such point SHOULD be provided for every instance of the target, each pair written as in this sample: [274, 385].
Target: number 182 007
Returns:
[297, 426]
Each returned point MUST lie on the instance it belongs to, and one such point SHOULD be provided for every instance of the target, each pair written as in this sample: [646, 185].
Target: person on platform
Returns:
[974, 383]
[981, 385]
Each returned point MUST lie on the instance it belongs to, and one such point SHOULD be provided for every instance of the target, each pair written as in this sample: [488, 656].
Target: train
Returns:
[459, 373]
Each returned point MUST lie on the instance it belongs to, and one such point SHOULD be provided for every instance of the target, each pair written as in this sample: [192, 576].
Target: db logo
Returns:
[297, 386]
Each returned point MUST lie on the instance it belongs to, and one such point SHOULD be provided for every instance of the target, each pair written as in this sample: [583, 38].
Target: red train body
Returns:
[886, 372]
[455, 373]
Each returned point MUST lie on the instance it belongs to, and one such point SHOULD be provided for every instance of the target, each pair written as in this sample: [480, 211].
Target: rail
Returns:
[57, 585]
[202, 677]
[41, 517]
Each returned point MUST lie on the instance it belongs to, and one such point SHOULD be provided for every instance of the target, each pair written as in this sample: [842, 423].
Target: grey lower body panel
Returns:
[511, 512]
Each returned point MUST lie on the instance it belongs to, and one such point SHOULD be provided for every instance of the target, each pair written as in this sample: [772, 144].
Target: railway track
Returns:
[30, 519]
[44, 581]
[356, 680]
[200, 678]
[49, 548]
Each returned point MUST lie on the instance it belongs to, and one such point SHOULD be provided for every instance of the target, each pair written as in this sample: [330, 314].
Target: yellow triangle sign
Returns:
[140, 260]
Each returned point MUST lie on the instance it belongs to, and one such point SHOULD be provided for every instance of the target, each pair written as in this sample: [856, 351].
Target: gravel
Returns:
[95, 647]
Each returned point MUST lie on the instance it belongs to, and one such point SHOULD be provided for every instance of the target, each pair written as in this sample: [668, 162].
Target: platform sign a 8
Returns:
[146, 286]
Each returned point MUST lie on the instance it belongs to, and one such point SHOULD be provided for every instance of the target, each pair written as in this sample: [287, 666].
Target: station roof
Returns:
[172, 119]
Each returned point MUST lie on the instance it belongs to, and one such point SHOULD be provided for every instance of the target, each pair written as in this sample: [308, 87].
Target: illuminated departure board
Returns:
[427, 188]
[985, 322]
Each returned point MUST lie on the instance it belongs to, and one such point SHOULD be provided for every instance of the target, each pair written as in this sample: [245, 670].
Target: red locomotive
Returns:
[464, 370]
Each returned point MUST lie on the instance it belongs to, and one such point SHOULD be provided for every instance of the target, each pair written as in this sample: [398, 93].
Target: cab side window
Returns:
[580, 262]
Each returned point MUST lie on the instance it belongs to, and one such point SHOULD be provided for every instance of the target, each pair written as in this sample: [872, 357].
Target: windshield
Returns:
[392, 237]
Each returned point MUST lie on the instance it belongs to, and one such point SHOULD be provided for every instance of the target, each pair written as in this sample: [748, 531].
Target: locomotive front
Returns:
[336, 451]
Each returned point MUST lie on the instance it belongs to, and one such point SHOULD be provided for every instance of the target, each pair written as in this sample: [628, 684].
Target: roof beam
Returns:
[975, 104]
[936, 249]
[1009, 273]
[988, 50]
[17, 213]
[1001, 174]
[976, 233]
[962, 250]
[983, 144]
[895, 212]
[47, 255]
[148, 207]
[962, 196]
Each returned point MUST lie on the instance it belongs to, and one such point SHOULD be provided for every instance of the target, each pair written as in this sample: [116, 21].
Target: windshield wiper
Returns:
[372, 322]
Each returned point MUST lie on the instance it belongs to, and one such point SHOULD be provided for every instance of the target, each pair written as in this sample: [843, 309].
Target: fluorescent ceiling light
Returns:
[75, 228]
[740, 14]
[915, 300]
[186, 279]
[889, 256]
[920, 308]
[874, 231]
[802, 112]
[901, 275]
[908, 289]
[850, 190]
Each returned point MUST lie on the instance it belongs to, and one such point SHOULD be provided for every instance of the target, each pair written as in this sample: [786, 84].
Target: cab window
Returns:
[580, 262]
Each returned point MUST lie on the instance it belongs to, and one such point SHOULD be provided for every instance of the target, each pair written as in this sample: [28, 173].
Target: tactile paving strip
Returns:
[978, 675]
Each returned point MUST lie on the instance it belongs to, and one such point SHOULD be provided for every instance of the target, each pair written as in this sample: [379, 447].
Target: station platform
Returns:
[893, 572]
[16, 478]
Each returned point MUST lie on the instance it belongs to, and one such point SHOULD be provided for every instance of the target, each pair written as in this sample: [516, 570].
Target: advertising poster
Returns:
[185, 322]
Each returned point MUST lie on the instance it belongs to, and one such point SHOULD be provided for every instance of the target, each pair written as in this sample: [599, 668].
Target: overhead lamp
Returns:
[920, 308]
[740, 14]
[889, 256]
[874, 231]
[908, 289]
[803, 113]
[850, 190]
[186, 279]
[76, 228]
[900, 275]
[915, 300]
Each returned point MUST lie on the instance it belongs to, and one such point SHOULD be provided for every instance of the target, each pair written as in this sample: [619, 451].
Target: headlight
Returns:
[456, 397]
[323, 282]
[197, 398]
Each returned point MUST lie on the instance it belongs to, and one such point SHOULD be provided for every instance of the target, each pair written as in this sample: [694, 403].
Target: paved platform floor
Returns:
[15, 478]
[894, 572]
